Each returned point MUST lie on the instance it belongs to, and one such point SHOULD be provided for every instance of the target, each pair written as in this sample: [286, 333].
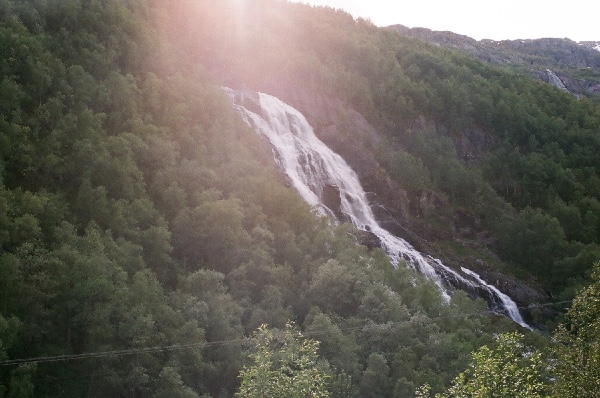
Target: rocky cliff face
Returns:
[577, 65]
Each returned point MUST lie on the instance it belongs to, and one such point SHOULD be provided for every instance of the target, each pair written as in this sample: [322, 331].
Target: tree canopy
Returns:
[510, 369]
[284, 365]
[145, 229]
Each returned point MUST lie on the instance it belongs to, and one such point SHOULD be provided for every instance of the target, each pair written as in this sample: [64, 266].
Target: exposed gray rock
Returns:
[534, 57]
[473, 145]
[331, 198]
[368, 239]
[522, 294]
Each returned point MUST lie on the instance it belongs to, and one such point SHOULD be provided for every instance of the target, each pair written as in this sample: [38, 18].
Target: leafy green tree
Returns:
[210, 235]
[506, 371]
[333, 289]
[170, 385]
[340, 349]
[408, 170]
[578, 350]
[533, 240]
[9, 328]
[21, 385]
[285, 365]
[203, 297]
[374, 381]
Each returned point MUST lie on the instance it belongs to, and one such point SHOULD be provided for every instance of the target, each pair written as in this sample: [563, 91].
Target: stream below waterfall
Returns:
[313, 168]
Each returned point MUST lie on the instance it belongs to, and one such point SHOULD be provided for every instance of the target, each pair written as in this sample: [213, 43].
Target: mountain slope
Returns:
[491, 154]
[145, 229]
[576, 64]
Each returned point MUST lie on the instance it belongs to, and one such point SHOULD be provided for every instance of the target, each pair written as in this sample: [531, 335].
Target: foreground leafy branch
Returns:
[508, 370]
[578, 349]
[285, 365]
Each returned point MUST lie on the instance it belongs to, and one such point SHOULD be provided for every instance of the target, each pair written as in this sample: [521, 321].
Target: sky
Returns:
[483, 19]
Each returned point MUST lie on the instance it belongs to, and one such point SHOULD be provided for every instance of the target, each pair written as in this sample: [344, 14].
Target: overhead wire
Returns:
[175, 347]
[115, 353]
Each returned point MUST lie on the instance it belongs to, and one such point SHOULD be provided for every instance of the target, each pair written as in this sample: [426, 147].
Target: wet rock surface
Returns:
[348, 133]
[368, 239]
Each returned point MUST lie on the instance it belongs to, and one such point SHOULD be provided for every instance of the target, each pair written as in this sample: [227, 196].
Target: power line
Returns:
[176, 347]
[116, 353]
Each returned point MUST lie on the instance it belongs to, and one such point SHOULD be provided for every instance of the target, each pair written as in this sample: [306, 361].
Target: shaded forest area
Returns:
[142, 219]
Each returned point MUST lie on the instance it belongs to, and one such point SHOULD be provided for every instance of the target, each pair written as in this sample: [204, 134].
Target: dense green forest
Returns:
[145, 231]
[532, 180]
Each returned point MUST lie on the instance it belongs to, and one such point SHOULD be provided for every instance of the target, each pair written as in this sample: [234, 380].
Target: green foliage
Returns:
[406, 169]
[577, 351]
[137, 210]
[21, 385]
[374, 379]
[341, 350]
[171, 385]
[508, 370]
[285, 365]
[534, 239]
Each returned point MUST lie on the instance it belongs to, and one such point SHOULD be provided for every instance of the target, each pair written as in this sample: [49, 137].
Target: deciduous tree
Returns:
[578, 349]
[285, 365]
[508, 370]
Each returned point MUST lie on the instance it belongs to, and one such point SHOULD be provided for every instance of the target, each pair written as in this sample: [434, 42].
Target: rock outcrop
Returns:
[534, 57]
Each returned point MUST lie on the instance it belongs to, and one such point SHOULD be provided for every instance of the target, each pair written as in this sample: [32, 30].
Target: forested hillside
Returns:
[145, 229]
[516, 158]
[577, 65]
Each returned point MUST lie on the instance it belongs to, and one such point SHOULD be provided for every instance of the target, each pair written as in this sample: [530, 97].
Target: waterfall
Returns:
[312, 167]
[555, 80]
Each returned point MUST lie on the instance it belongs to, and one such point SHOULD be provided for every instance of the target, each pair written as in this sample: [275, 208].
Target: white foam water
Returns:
[311, 167]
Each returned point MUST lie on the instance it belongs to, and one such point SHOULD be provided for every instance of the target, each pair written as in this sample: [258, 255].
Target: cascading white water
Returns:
[311, 166]
[555, 80]
[509, 305]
